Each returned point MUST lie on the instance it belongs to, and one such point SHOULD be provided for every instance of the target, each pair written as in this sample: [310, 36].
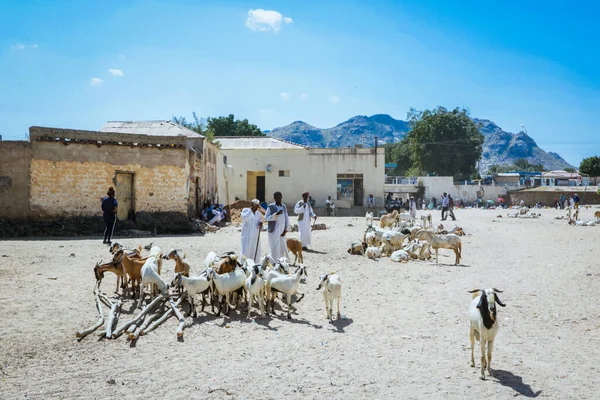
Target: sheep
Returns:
[373, 253]
[445, 242]
[369, 218]
[227, 283]
[358, 248]
[484, 324]
[151, 276]
[332, 289]
[255, 288]
[286, 284]
[295, 247]
[201, 284]
[388, 219]
[399, 256]
[115, 267]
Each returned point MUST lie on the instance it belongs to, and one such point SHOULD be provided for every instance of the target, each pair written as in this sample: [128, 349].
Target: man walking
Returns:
[251, 227]
[278, 223]
[451, 207]
[109, 213]
[444, 206]
[305, 212]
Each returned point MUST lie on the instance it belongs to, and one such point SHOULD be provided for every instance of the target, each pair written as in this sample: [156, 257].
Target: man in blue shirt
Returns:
[109, 213]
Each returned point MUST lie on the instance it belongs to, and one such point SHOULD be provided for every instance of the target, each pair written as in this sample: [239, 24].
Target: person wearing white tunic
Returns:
[413, 207]
[251, 227]
[305, 213]
[278, 223]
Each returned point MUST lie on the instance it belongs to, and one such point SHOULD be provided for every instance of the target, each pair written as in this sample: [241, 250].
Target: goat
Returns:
[151, 276]
[427, 220]
[286, 284]
[131, 253]
[369, 218]
[452, 242]
[255, 286]
[484, 324]
[358, 248]
[201, 284]
[597, 215]
[399, 256]
[115, 267]
[332, 289]
[373, 253]
[295, 246]
[181, 266]
[386, 248]
[132, 267]
[227, 283]
[226, 264]
[388, 219]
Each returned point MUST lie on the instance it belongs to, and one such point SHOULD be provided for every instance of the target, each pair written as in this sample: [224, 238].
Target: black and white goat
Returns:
[484, 324]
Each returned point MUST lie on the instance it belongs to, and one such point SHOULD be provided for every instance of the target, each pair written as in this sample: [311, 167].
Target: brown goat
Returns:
[113, 266]
[295, 246]
[133, 268]
[227, 264]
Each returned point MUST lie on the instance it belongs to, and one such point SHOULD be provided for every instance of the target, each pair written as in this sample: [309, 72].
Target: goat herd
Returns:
[228, 281]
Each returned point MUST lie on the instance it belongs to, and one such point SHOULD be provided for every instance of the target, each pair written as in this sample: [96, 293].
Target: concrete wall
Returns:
[313, 170]
[14, 179]
[71, 179]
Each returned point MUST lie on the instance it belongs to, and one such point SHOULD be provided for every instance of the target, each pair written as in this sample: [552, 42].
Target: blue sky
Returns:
[513, 62]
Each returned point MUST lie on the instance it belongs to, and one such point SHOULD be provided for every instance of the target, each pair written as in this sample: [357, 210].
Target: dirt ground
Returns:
[403, 335]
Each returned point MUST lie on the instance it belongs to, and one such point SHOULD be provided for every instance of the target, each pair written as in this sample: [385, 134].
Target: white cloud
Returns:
[35, 46]
[18, 46]
[266, 20]
[265, 111]
[121, 57]
[334, 99]
[284, 96]
[115, 72]
[304, 96]
[96, 82]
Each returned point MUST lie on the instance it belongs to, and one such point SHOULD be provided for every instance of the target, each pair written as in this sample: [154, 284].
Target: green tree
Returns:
[229, 126]
[444, 142]
[591, 166]
[199, 125]
[522, 164]
[400, 154]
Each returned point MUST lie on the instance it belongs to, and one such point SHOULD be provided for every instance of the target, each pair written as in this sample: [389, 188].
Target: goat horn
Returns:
[497, 291]
[475, 290]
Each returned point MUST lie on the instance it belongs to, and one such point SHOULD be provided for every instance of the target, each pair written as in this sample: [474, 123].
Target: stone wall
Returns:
[14, 179]
[70, 179]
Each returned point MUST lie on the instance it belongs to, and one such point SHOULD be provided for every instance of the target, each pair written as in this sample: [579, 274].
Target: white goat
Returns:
[484, 324]
[373, 253]
[227, 283]
[444, 242]
[332, 289]
[201, 284]
[369, 218]
[255, 288]
[287, 284]
[150, 276]
[399, 256]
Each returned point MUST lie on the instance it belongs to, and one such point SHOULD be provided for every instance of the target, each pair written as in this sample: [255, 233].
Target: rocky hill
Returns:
[500, 147]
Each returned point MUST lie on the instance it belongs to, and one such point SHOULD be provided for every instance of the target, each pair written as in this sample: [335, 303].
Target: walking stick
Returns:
[257, 240]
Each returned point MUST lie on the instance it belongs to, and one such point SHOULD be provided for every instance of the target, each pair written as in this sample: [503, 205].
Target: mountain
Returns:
[499, 147]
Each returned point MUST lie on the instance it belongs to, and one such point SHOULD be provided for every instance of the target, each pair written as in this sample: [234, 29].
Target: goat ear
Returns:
[474, 290]
[480, 304]
[496, 290]
[500, 303]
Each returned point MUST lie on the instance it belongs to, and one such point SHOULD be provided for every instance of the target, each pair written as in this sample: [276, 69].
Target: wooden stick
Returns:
[134, 335]
[179, 316]
[112, 318]
[162, 319]
[83, 333]
[126, 325]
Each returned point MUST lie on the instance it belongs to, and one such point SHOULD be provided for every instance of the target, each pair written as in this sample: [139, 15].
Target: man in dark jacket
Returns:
[109, 213]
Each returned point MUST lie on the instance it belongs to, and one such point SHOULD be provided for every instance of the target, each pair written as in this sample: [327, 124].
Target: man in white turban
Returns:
[251, 227]
[305, 213]
[278, 224]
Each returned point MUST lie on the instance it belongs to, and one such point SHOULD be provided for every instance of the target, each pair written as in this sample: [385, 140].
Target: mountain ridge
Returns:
[500, 147]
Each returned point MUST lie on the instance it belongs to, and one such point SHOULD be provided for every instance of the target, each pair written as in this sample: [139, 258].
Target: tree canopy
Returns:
[220, 126]
[591, 166]
[441, 142]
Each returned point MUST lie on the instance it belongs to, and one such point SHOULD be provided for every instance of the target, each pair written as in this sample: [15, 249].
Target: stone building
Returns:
[155, 167]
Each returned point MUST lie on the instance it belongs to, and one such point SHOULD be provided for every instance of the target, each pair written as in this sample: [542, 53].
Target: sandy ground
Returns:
[404, 332]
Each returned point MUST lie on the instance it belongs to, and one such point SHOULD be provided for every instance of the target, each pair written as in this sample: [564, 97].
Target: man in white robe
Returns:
[278, 223]
[251, 227]
[305, 213]
[412, 207]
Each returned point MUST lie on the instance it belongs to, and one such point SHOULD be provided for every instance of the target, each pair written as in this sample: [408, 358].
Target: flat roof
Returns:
[255, 142]
[150, 128]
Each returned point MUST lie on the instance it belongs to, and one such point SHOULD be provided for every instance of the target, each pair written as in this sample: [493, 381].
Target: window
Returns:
[284, 172]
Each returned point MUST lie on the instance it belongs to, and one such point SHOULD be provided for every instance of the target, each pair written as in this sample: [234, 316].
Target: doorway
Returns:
[255, 185]
[358, 192]
[124, 187]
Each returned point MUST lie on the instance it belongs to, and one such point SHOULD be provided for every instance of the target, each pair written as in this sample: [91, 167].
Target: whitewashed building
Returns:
[256, 167]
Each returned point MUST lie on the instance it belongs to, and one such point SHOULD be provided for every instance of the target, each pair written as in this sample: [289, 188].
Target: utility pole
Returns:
[376, 151]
